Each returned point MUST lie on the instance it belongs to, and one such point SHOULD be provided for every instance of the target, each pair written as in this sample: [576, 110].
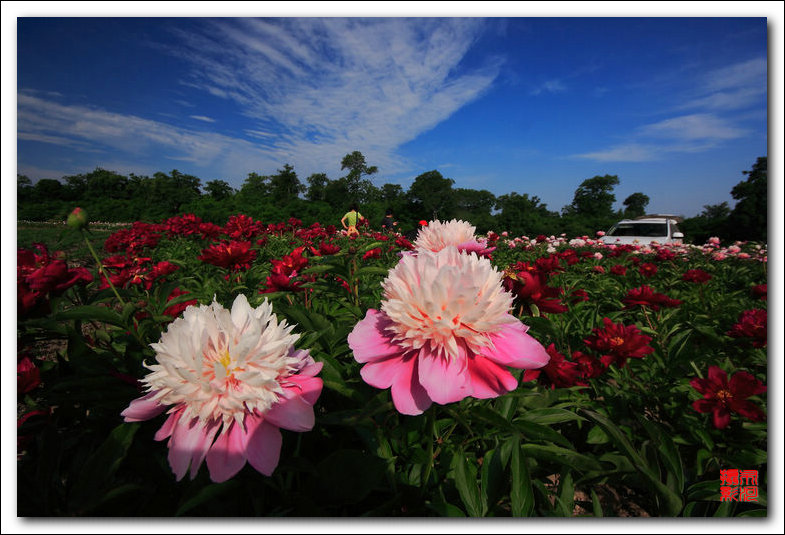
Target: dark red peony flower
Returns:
[326, 248]
[235, 255]
[27, 375]
[698, 276]
[530, 286]
[752, 324]
[589, 365]
[242, 227]
[760, 291]
[722, 397]
[559, 372]
[403, 243]
[178, 308]
[619, 269]
[647, 269]
[578, 295]
[376, 252]
[617, 343]
[646, 297]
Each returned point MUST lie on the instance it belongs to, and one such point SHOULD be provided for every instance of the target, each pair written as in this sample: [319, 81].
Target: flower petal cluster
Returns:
[697, 276]
[437, 235]
[752, 324]
[617, 342]
[559, 372]
[721, 396]
[444, 333]
[645, 296]
[40, 275]
[230, 380]
[234, 255]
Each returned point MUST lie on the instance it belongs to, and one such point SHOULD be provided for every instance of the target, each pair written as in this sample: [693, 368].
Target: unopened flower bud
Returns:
[77, 219]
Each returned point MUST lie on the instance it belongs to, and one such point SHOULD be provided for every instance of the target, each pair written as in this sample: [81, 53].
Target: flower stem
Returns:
[101, 270]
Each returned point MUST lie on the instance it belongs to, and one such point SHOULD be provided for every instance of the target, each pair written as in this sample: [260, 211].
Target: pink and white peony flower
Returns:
[231, 379]
[444, 332]
[437, 235]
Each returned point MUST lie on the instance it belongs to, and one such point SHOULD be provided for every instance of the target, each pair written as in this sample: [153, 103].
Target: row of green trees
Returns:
[110, 196]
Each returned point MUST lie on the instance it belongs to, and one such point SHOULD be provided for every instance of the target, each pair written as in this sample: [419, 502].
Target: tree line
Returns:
[110, 196]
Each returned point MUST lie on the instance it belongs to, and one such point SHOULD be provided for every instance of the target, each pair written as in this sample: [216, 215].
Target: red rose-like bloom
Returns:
[530, 286]
[721, 397]
[647, 269]
[617, 342]
[376, 252]
[752, 324]
[326, 248]
[646, 297]
[698, 276]
[559, 371]
[760, 291]
[177, 309]
[618, 269]
[589, 365]
[236, 255]
[27, 376]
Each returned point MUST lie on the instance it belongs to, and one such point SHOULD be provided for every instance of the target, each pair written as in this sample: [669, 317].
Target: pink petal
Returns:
[721, 417]
[368, 340]
[263, 449]
[168, 427]
[294, 414]
[382, 373]
[309, 388]
[512, 346]
[188, 446]
[488, 379]
[227, 454]
[445, 379]
[143, 408]
[408, 395]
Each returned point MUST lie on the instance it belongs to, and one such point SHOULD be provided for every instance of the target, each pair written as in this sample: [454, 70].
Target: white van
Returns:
[643, 230]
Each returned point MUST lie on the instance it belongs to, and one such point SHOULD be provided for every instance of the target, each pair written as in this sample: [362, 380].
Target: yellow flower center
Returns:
[724, 395]
[616, 341]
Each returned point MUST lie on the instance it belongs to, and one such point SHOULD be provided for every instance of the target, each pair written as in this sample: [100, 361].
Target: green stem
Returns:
[430, 429]
[101, 270]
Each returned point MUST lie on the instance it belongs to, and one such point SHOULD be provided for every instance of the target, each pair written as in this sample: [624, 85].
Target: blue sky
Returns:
[676, 107]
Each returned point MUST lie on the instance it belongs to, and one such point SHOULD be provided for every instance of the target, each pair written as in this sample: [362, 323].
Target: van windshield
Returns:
[639, 229]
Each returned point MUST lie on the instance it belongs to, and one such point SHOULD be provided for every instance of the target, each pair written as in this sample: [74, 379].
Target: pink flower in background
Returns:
[444, 333]
[230, 380]
[437, 235]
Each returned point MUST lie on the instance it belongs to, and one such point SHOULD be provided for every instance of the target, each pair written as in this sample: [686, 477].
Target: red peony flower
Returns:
[698, 276]
[589, 365]
[236, 255]
[530, 286]
[646, 297]
[619, 269]
[177, 309]
[751, 324]
[760, 291]
[559, 372]
[326, 248]
[27, 375]
[376, 252]
[647, 269]
[617, 342]
[722, 397]
[243, 227]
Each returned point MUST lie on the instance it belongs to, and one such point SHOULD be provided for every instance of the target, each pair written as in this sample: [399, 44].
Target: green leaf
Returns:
[521, 493]
[491, 478]
[98, 471]
[358, 473]
[550, 415]
[210, 492]
[668, 452]
[465, 475]
[597, 436]
[91, 313]
[673, 502]
[558, 456]
[596, 506]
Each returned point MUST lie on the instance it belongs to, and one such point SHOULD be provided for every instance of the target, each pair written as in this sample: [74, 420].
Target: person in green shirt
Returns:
[350, 219]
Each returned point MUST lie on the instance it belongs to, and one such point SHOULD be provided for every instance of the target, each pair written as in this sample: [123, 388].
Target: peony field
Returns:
[283, 370]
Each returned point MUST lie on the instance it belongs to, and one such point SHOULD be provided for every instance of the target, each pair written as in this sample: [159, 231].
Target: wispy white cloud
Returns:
[550, 86]
[202, 118]
[717, 97]
[328, 86]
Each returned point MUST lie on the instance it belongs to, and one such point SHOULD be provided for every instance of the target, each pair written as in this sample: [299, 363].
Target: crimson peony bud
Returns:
[77, 219]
